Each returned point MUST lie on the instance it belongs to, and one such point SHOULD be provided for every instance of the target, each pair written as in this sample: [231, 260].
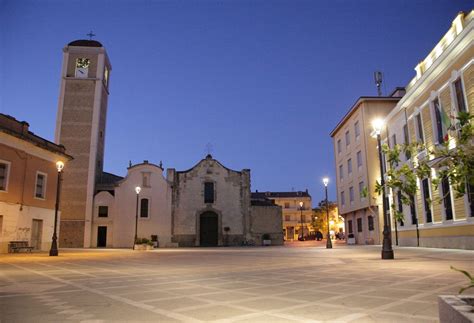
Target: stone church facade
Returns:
[207, 205]
[211, 204]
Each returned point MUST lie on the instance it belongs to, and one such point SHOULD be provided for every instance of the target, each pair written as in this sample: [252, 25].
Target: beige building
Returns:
[443, 85]
[357, 167]
[80, 126]
[295, 219]
[28, 183]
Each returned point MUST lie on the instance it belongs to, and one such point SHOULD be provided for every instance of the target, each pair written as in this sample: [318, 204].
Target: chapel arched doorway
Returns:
[208, 227]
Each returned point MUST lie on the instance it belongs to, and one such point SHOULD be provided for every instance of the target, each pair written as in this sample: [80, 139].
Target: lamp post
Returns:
[301, 216]
[328, 240]
[54, 243]
[387, 251]
[137, 190]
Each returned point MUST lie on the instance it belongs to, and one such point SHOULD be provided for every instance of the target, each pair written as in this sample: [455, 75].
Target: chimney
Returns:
[24, 128]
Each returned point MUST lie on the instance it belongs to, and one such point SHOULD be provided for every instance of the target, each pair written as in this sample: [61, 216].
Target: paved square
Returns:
[255, 284]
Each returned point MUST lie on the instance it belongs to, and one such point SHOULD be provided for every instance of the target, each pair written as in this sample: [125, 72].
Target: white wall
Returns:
[122, 208]
[17, 224]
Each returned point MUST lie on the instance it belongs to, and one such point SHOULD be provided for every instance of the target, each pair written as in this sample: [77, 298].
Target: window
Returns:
[208, 192]
[419, 129]
[4, 170]
[394, 140]
[359, 159]
[144, 204]
[361, 190]
[470, 198]
[351, 194]
[349, 226]
[106, 75]
[40, 185]
[394, 143]
[438, 122]
[460, 96]
[357, 130]
[349, 166]
[339, 148]
[287, 205]
[359, 225]
[406, 141]
[341, 172]
[370, 222]
[414, 219]
[448, 207]
[343, 198]
[146, 179]
[103, 211]
[400, 205]
[348, 138]
[287, 217]
[427, 200]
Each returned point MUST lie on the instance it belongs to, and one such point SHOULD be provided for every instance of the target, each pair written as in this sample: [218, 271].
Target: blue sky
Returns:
[263, 81]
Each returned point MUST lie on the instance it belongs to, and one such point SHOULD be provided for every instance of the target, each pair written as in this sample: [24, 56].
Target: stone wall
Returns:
[231, 202]
[266, 219]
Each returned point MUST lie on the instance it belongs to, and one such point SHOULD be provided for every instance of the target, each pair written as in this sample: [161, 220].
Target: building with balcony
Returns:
[295, 219]
[442, 87]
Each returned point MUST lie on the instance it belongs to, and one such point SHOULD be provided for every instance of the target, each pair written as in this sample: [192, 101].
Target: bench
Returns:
[17, 246]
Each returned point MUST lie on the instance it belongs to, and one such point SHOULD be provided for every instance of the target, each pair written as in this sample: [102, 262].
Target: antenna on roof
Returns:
[378, 78]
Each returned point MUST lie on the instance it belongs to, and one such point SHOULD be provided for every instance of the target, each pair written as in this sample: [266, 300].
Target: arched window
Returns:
[144, 203]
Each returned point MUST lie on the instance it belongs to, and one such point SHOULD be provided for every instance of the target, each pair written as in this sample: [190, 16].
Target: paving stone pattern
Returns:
[250, 284]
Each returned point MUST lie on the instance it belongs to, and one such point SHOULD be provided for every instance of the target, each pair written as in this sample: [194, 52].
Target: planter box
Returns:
[143, 247]
[351, 241]
[456, 308]
[267, 242]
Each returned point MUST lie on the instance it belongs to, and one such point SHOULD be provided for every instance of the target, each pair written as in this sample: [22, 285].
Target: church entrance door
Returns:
[101, 237]
[208, 229]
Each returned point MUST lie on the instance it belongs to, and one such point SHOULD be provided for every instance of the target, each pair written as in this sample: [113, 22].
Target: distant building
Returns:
[28, 183]
[443, 87]
[357, 167]
[295, 220]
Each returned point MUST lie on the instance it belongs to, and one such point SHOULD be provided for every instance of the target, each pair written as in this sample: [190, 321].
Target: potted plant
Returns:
[154, 239]
[351, 239]
[143, 244]
[266, 240]
[457, 308]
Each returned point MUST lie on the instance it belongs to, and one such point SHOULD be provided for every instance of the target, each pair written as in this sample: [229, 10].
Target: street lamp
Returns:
[302, 231]
[137, 190]
[328, 240]
[387, 251]
[54, 243]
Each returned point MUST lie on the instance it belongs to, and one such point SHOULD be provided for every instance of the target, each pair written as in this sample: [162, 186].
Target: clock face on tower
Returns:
[82, 67]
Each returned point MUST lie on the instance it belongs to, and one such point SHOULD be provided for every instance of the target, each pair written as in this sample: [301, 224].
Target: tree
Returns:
[319, 219]
[453, 159]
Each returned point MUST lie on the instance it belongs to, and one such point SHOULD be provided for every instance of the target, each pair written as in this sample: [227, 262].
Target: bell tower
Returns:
[80, 126]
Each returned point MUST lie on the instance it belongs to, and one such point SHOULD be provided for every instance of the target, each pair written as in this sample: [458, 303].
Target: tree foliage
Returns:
[456, 163]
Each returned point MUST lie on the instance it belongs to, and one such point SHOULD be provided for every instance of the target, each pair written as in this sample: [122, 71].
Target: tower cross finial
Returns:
[209, 148]
[90, 34]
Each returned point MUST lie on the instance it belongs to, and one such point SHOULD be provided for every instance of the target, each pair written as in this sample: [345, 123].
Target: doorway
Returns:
[208, 225]
[101, 237]
[36, 234]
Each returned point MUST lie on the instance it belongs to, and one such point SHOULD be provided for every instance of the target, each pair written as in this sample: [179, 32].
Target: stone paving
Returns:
[249, 284]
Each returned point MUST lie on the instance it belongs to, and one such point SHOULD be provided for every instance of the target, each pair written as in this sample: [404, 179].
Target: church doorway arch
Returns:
[208, 227]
